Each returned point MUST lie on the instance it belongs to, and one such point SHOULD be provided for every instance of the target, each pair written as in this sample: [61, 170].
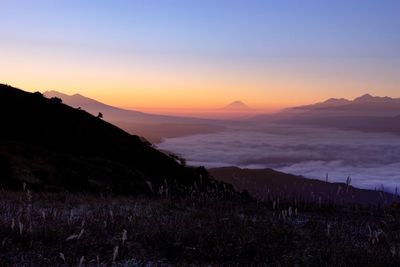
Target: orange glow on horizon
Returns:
[181, 86]
[165, 100]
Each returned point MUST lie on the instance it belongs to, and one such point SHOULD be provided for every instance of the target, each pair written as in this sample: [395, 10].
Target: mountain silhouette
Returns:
[153, 127]
[237, 106]
[51, 146]
[93, 106]
[365, 113]
[365, 104]
[331, 102]
[364, 98]
[367, 98]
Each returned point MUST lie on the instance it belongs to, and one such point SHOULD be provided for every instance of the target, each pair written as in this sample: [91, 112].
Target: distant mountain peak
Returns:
[336, 101]
[369, 98]
[52, 93]
[365, 97]
[237, 105]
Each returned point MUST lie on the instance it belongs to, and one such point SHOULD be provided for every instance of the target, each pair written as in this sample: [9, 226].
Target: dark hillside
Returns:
[269, 184]
[51, 146]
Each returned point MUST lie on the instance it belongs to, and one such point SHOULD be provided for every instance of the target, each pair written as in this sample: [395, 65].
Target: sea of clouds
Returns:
[372, 160]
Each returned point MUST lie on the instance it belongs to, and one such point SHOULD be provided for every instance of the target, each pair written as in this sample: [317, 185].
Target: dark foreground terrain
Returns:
[45, 229]
[267, 184]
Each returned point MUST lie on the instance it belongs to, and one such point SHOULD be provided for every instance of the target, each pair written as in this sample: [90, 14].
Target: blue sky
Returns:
[313, 37]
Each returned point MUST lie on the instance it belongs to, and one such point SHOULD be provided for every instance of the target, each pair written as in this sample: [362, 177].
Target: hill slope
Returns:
[51, 146]
[269, 184]
[153, 127]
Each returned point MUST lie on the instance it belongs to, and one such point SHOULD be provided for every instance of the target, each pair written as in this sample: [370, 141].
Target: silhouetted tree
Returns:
[56, 100]
[100, 115]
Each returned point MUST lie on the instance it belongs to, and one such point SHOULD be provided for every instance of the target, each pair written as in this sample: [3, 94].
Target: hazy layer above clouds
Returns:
[370, 159]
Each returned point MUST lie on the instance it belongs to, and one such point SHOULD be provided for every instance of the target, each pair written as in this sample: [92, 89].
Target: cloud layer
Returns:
[370, 159]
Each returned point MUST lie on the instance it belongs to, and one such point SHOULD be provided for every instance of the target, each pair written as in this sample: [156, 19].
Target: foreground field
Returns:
[84, 230]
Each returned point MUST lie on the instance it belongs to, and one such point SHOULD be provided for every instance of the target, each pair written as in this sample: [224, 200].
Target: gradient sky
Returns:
[202, 54]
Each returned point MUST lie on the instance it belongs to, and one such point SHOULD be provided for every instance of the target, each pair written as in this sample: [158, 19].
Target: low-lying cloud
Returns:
[371, 160]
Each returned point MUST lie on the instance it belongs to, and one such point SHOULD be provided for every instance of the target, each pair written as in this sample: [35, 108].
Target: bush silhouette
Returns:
[56, 100]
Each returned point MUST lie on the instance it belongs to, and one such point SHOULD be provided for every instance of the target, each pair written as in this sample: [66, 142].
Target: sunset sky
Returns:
[202, 54]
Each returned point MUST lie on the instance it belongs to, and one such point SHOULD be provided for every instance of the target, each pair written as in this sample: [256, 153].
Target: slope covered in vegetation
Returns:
[45, 229]
[51, 146]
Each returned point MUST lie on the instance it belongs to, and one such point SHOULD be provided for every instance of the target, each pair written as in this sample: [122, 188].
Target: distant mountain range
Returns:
[50, 146]
[365, 104]
[151, 126]
[365, 113]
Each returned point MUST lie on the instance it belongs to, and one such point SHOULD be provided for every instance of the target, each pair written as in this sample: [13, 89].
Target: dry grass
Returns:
[83, 230]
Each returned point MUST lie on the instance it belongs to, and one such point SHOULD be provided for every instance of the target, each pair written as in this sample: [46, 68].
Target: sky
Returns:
[202, 54]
